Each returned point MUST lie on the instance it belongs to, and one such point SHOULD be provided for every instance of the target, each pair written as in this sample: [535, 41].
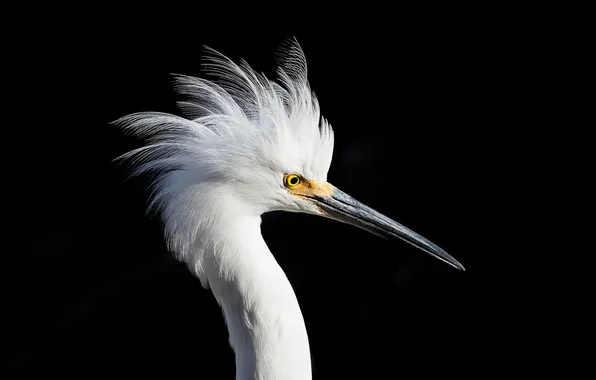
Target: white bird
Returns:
[246, 146]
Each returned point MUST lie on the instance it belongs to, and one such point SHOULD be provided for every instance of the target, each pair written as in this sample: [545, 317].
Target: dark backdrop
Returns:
[463, 121]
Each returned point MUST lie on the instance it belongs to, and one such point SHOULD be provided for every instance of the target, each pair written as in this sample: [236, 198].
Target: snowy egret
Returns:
[246, 146]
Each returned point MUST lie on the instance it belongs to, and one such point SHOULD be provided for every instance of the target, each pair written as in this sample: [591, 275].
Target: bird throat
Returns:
[263, 317]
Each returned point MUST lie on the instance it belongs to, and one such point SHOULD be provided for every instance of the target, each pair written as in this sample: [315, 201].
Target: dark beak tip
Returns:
[455, 264]
[458, 266]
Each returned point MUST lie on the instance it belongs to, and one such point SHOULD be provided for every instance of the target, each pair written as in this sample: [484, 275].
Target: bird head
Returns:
[262, 145]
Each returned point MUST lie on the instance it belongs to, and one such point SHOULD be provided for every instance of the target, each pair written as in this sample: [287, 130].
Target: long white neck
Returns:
[264, 320]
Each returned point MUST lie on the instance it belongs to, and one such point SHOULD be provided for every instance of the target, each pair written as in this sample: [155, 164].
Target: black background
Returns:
[465, 122]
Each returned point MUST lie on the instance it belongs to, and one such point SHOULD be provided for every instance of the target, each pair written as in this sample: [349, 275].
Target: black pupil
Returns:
[293, 180]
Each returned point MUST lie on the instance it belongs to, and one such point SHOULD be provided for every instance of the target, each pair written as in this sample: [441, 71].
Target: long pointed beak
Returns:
[340, 206]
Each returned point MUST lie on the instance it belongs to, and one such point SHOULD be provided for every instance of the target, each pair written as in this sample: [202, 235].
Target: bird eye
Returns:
[291, 180]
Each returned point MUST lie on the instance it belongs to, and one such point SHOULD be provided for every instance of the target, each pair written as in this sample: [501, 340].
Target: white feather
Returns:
[238, 122]
[214, 172]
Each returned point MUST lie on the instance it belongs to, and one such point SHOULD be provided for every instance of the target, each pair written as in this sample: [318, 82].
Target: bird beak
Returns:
[340, 206]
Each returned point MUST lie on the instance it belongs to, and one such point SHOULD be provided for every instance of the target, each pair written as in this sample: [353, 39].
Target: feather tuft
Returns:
[234, 128]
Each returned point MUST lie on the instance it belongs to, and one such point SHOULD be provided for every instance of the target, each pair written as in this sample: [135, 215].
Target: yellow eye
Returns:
[291, 180]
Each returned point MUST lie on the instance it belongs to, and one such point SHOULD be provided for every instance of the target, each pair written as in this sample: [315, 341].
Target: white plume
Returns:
[237, 128]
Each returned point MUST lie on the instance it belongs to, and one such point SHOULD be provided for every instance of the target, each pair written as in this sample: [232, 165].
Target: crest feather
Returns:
[231, 124]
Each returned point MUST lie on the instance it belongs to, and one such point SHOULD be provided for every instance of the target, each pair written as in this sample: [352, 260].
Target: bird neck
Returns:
[264, 320]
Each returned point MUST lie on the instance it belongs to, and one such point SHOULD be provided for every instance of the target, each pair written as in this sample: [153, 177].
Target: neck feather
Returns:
[264, 320]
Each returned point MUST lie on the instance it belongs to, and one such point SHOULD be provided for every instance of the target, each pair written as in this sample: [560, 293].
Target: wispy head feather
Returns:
[235, 127]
